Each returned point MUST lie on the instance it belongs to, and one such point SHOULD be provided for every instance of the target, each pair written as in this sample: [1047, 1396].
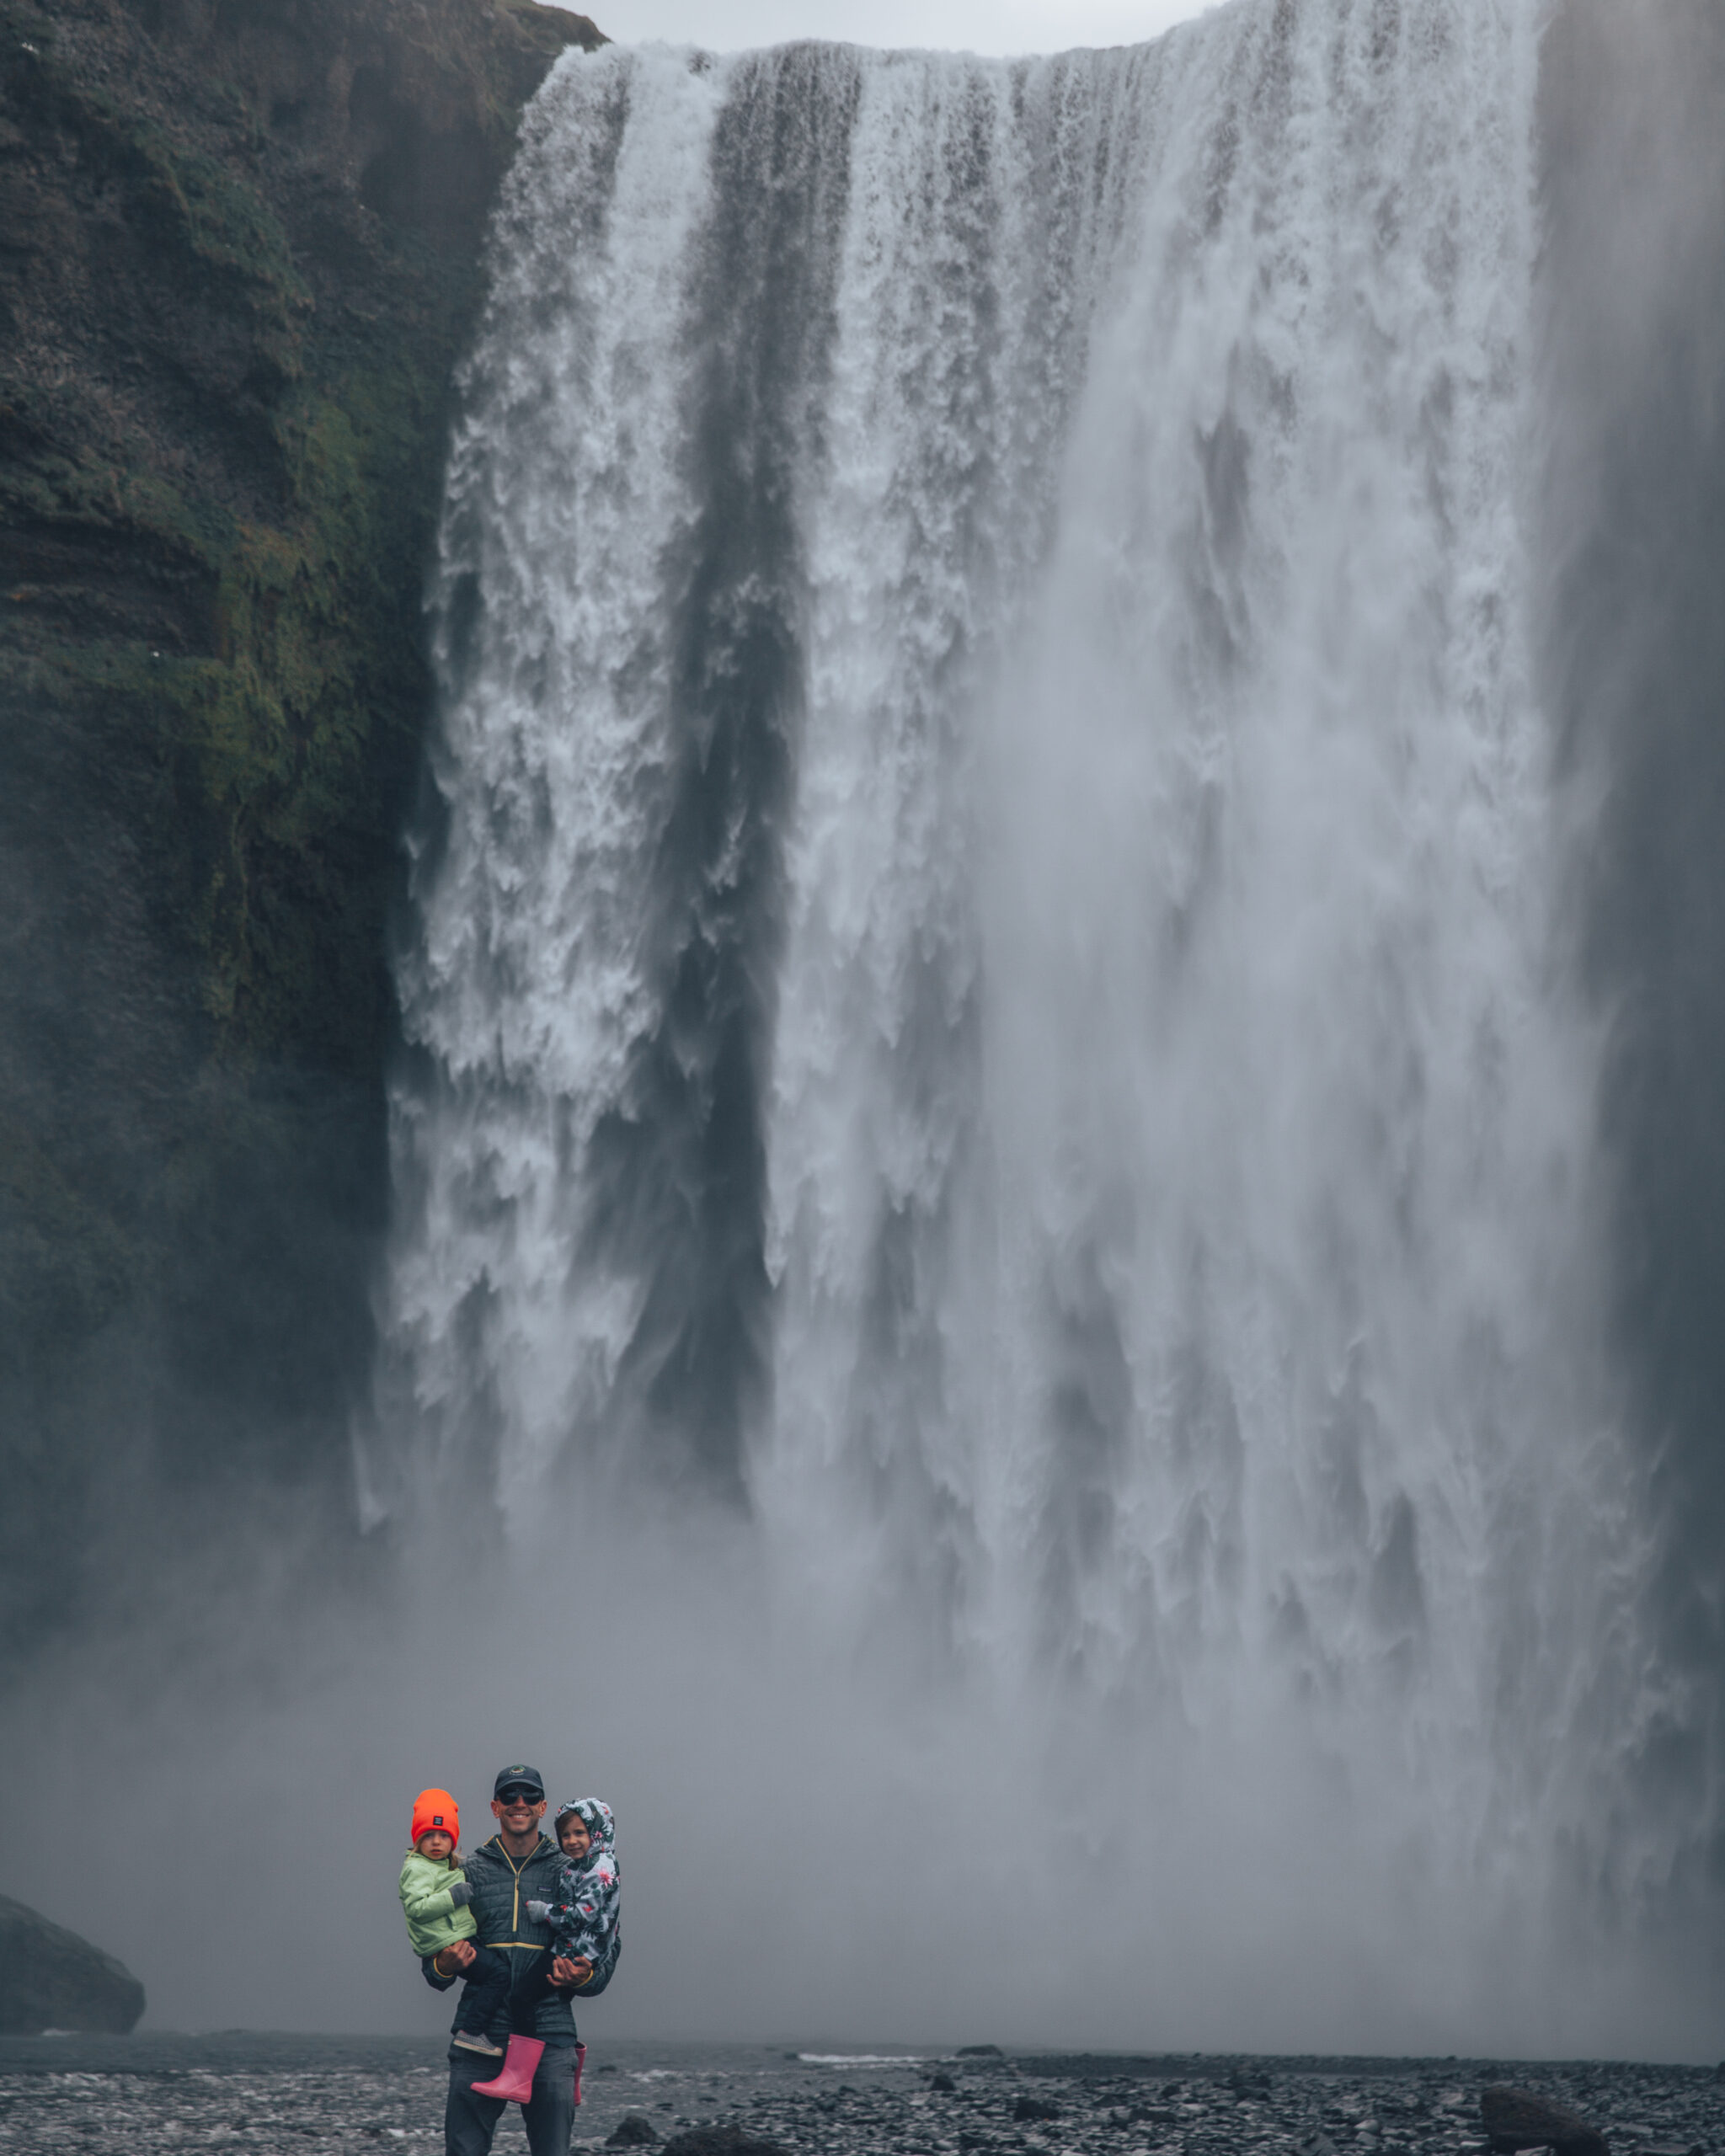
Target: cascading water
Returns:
[987, 983]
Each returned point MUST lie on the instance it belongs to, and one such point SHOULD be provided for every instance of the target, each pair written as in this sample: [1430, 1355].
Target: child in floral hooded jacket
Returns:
[584, 1917]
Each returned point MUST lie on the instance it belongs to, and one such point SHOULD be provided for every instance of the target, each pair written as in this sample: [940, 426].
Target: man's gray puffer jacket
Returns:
[501, 1893]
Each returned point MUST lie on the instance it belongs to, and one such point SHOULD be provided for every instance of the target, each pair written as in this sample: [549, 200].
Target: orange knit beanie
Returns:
[434, 1808]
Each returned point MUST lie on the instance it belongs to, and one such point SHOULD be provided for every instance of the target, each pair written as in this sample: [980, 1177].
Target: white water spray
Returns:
[988, 986]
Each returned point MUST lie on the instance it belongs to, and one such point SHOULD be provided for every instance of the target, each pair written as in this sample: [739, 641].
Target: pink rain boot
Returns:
[580, 2061]
[515, 2081]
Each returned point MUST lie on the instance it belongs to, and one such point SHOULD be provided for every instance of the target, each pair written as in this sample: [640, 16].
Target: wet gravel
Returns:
[315, 2094]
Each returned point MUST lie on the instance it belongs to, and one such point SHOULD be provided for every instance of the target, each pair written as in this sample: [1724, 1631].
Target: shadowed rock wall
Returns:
[239, 245]
[50, 1978]
[1633, 401]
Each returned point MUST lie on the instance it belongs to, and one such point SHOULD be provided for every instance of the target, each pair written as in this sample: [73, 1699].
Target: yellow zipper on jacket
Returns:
[515, 1916]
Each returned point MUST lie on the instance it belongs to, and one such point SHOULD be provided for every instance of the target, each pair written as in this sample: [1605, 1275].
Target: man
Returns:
[518, 1865]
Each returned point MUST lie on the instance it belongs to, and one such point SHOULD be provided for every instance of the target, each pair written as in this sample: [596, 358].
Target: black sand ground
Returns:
[125, 2096]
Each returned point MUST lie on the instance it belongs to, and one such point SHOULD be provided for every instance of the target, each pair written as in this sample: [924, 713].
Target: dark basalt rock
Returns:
[1516, 2119]
[632, 2131]
[1035, 2107]
[50, 1978]
[721, 2141]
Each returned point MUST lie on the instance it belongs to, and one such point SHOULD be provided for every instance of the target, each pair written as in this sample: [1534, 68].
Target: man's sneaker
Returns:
[479, 2044]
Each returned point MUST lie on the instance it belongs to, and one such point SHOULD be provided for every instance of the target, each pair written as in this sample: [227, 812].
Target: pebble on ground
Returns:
[946, 2106]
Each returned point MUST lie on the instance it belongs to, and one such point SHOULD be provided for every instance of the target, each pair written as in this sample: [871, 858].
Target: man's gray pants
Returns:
[469, 2121]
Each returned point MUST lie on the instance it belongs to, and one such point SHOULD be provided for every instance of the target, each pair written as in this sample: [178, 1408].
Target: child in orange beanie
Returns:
[434, 1894]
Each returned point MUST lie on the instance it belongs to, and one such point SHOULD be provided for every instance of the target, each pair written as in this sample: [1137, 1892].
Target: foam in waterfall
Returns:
[986, 992]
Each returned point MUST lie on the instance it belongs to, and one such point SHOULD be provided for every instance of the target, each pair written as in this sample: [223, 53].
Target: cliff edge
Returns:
[239, 251]
[51, 1978]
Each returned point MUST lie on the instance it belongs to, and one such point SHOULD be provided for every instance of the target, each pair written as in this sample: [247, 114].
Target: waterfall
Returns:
[987, 992]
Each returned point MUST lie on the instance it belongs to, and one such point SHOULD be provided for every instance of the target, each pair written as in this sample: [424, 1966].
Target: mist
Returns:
[821, 1847]
[1050, 1298]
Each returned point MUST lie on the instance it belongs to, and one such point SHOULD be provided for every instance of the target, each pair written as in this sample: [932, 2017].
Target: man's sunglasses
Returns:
[519, 1793]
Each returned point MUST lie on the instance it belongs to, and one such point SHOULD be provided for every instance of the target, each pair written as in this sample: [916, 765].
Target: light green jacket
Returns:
[434, 1921]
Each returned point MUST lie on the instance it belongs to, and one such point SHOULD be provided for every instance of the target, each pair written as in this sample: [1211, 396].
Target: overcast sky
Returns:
[974, 25]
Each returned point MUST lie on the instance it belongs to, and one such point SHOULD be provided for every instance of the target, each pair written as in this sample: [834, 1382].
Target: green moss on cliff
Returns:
[238, 255]
[191, 201]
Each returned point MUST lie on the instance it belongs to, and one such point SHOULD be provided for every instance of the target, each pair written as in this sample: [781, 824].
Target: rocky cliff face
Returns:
[50, 1978]
[239, 245]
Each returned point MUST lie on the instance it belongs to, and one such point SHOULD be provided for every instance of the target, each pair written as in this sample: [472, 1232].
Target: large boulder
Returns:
[727, 2140]
[50, 1978]
[1515, 2118]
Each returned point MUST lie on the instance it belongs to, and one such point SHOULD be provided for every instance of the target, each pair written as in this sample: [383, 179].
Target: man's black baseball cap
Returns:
[519, 1777]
